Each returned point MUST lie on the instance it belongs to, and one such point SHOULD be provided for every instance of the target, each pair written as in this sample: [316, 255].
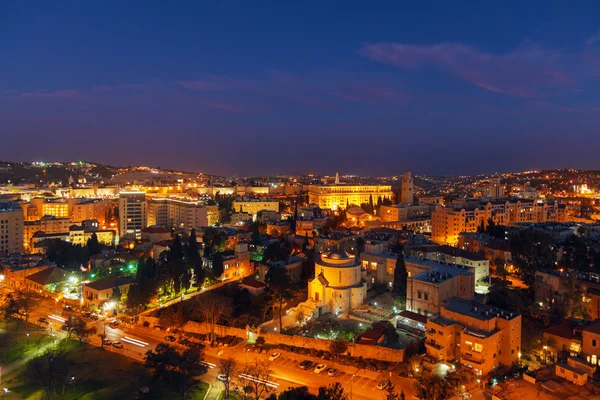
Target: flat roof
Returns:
[475, 310]
[441, 273]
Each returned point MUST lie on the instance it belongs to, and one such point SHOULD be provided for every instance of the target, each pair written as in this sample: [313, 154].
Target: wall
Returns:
[355, 350]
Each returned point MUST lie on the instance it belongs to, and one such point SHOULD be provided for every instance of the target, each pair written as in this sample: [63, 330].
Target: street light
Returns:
[27, 348]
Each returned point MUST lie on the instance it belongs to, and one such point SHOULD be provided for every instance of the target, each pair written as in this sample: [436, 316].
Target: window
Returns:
[594, 342]
[419, 294]
[426, 296]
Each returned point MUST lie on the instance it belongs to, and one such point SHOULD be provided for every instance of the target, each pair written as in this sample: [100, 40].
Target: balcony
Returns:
[433, 344]
[473, 358]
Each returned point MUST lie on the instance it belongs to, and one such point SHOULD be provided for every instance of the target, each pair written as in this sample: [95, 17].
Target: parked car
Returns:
[320, 368]
[68, 307]
[43, 320]
[332, 372]
[306, 364]
[222, 378]
[95, 317]
[170, 338]
[274, 356]
[106, 342]
[117, 345]
[113, 324]
[185, 342]
[382, 385]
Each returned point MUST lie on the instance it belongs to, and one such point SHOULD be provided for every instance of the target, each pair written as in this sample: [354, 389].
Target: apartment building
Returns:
[481, 337]
[46, 224]
[133, 215]
[425, 292]
[253, 206]
[177, 214]
[11, 228]
[453, 255]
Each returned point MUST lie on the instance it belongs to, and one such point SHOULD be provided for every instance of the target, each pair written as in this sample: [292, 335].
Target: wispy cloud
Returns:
[126, 86]
[593, 39]
[217, 83]
[67, 94]
[528, 72]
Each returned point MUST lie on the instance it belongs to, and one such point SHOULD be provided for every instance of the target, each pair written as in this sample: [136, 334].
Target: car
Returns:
[43, 320]
[274, 356]
[382, 385]
[332, 372]
[117, 345]
[170, 338]
[222, 378]
[95, 317]
[185, 342]
[306, 364]
[67, 308]
[320, 368]
[113, 323]
[106, 342]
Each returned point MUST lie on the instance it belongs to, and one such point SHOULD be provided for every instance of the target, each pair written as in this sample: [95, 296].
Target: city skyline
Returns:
[244, 89]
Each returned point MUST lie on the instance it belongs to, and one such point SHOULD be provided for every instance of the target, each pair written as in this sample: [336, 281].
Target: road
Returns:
[137, 340]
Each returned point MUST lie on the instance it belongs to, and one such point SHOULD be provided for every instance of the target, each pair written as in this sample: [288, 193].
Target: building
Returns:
[293, 265]
[407, 195]
[17, 267]
[448, 222]
[455, 256]
[405, 212]
[133, 215]
[84, 209]
[236, 263]
[342, 195]
[253, 286]
[172, 213]
[481, 337]
[79, 235]
[155, 234]
[425, 292]
[241, 218]
[495, 189]
[11, 228]
[38, 207]
[101, 291]
[212, 213]
[46, 224]
[253, 206]
[49, 280]
[338, 285]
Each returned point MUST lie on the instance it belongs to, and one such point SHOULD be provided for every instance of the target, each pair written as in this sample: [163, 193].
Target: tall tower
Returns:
[407, 189]
[132, 214]
[337, 178]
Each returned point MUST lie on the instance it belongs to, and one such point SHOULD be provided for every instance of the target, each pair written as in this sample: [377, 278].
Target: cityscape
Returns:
[328, 202]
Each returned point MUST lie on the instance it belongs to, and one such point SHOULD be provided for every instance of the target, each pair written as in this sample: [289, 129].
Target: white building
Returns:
[177, 214]
[338, 285]
[132, 214]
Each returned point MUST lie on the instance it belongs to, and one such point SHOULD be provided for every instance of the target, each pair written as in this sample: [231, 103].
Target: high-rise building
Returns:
[84, 209]
[407, 196]
[11, 228]
[495, 189]
[177, 214]
[132, 214]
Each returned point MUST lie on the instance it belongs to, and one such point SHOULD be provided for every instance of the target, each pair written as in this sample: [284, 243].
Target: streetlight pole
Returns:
[27, 348]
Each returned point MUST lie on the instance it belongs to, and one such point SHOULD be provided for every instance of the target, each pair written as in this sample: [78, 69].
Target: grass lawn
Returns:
[16, 344]
[101, 375]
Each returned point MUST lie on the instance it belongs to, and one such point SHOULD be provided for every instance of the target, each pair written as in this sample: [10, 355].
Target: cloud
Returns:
[528, 72]
[217, 83]
[67, 94]
[593, 39]
[127, 86]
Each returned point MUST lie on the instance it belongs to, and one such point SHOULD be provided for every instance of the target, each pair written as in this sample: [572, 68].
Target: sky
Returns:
[276, 87]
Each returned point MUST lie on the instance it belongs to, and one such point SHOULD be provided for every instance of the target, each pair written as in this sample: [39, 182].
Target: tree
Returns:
[279, 283]
[116, 295]
[390, 391]
[178, 367]
[333, 391]
[48, 371]
[400, 280]
[211, 307]
[297, 393]
[85, 333]
[338, 347]
[227, 368]
[192, 250]
[74, 325]
[93, 244]
[18, 305]
[217, 265]
[432, 387]
[255, 379]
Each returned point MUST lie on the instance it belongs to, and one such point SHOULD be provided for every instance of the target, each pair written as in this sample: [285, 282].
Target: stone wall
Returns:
[355, 350]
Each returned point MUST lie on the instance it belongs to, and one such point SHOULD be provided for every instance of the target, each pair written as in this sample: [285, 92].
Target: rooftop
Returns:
[471, 309]
[49, 276]
[110, 282]
[441, 273]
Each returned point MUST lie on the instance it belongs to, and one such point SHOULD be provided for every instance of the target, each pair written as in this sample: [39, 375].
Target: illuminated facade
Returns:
[11, 228]
[38, 207]
[253, 206]
[46, 224]
[132, 214]
[173, 213]
[482, 337]
[407, 195]
[84, 209]
[334, 196]
[338, 285]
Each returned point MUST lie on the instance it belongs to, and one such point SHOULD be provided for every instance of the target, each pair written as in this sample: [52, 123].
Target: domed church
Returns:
[338, 285]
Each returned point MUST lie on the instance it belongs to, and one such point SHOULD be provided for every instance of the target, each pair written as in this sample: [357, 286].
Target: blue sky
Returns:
[282, 87]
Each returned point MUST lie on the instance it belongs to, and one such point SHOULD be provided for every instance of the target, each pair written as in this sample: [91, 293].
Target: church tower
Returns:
[407, 196]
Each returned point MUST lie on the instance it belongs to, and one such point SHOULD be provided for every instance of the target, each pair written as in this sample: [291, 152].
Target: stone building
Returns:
[338, 285]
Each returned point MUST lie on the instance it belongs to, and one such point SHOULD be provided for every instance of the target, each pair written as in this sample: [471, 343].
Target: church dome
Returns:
[337, 254]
